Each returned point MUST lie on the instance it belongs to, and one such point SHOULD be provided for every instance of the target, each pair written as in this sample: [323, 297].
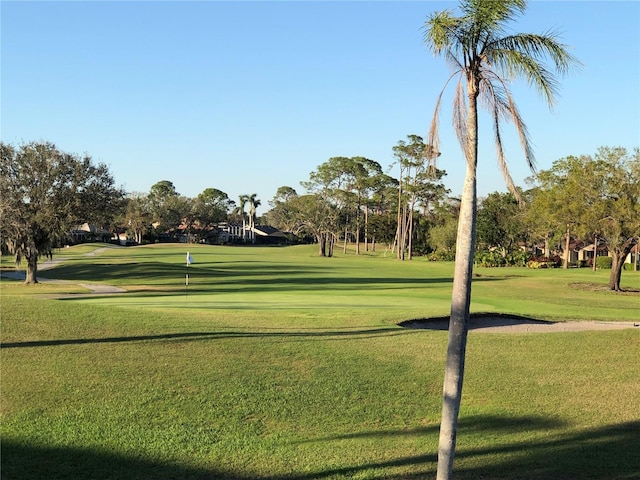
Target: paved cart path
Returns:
[49, 264]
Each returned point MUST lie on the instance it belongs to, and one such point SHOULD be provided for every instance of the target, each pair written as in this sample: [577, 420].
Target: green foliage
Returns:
[544, 262]
[517, 258]
[46, 193]
[442, 256]
[604, 262]
[592, 194]
[490, 258]
[383, 226]
[537, 264]
[420, 185]
[211, 206]
[500, 222]
[442, 237]
[496, 258]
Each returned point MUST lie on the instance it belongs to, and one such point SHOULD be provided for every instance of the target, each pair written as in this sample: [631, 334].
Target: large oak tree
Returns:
[45, 193]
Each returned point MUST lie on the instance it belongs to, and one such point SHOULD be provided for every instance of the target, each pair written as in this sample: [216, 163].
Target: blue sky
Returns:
[249, 96]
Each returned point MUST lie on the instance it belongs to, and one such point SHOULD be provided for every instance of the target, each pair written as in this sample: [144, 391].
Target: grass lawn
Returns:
[274, 363]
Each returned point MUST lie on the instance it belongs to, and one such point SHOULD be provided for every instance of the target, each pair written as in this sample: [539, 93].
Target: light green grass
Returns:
[279, 364]
[294, 280]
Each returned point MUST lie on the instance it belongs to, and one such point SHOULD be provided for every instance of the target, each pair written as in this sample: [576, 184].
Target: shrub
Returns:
[442, 256]
[536, 264]
[543, 262]
[604, 262]
[518, 258]
[490, 258]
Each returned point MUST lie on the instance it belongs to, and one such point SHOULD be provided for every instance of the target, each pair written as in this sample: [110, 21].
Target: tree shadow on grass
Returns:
[27, 462]
[605, 453]
[200, 336]
[245, 277]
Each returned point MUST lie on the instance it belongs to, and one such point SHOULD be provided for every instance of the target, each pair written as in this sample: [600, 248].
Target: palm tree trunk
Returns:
[458, 327]
[344, 246]
[460, 303]
[358, 226]
[400, 244]
[567, 242]
[410, 229]
[405, 230]
[244, 228]
[366, 228]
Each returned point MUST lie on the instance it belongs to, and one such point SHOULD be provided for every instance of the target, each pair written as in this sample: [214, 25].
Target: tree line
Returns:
[45, 193]
[348, 200]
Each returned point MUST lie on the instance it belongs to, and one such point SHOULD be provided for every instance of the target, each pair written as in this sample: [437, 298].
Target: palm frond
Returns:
[502, 163]
[433, 137]
[523, 55]
[523, 132]
[492, 13]
[495, 97]
[440, 31]
[498, 100]
[459, 116]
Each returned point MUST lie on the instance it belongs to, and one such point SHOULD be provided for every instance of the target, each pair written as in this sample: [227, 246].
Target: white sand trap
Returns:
[496, 323]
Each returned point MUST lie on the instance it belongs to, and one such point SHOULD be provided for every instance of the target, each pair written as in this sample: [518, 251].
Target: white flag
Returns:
[189, 259]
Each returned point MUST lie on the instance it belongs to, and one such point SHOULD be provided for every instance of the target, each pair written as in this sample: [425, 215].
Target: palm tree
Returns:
[254, 203]
[242, 201]
[485, 59]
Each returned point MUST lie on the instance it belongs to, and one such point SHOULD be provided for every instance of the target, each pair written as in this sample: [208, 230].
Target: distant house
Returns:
[262, 234]
[581, 252]
[634, 257]
[266, 234]
[230, 233]
[575, 247]
[123, 238]
[586, 252]
[90, 233]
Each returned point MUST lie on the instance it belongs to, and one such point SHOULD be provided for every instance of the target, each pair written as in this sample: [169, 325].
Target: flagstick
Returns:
[186, 278]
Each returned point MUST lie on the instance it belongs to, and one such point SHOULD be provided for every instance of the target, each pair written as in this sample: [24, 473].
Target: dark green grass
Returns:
[291, 366]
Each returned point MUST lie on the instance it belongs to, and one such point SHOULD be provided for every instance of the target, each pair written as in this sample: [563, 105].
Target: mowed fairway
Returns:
[275, 363]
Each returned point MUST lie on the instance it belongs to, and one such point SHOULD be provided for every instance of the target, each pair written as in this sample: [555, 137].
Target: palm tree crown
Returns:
[254, 203]
[485, 59]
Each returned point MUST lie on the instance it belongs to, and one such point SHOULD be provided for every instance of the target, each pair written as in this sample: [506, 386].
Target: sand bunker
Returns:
[498, 323]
